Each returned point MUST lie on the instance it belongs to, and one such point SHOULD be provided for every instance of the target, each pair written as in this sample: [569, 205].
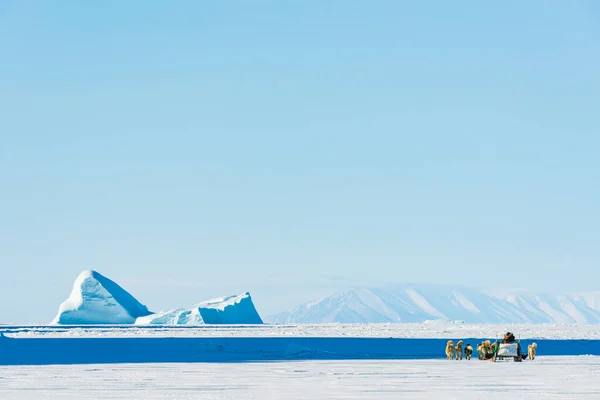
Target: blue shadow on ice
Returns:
[43, 351]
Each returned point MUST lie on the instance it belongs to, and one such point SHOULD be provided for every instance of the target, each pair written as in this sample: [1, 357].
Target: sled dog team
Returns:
[457, 351]
[485, 350]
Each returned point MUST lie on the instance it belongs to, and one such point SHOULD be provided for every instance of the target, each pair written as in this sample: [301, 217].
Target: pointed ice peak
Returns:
[95, 299]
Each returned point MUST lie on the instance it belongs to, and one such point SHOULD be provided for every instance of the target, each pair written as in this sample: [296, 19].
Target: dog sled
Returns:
[509, 347]
[505, 349]
[509, 350]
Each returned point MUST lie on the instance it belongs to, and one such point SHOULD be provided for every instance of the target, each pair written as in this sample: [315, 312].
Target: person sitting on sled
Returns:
[510, 338]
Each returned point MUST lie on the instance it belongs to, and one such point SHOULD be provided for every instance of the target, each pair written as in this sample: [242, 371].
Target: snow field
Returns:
[544, 378]
[432, 329]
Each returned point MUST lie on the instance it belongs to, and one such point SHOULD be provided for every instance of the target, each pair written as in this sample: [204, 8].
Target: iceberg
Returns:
[227, 310]
[179, 316]
[96, 299]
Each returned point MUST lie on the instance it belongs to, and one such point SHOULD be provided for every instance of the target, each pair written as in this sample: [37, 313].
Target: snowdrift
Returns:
[227, 310]
[96, 300]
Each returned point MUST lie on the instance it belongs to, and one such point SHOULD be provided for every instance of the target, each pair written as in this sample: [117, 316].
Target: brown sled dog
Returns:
[485, 351]
[458, 350]
[468, 351]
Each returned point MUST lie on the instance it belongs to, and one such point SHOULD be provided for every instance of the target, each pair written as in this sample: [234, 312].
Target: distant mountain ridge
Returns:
[419, 303]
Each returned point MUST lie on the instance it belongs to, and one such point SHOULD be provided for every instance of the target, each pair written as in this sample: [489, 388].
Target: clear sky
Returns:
[189, 149]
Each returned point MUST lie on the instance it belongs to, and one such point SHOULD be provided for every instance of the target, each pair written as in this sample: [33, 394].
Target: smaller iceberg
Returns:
[226, 310]
[96, 299]
[179, 316]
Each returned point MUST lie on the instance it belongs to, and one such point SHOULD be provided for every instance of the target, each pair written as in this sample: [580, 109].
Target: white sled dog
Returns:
[531, 350]
[450, 349]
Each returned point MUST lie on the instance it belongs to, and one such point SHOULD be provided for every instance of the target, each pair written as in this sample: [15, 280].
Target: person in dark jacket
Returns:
[510, 338]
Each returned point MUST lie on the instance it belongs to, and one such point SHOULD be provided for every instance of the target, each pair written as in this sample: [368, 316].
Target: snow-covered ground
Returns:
[544, 378]
[434, 329]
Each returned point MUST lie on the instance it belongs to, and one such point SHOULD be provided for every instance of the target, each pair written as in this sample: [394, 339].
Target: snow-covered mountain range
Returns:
[418, 303]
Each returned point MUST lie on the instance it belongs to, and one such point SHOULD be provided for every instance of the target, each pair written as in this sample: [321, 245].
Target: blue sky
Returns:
[191, 149]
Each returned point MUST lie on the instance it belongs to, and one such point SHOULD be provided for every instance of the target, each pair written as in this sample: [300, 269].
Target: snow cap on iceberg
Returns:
[96, 299]
[225, 310]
